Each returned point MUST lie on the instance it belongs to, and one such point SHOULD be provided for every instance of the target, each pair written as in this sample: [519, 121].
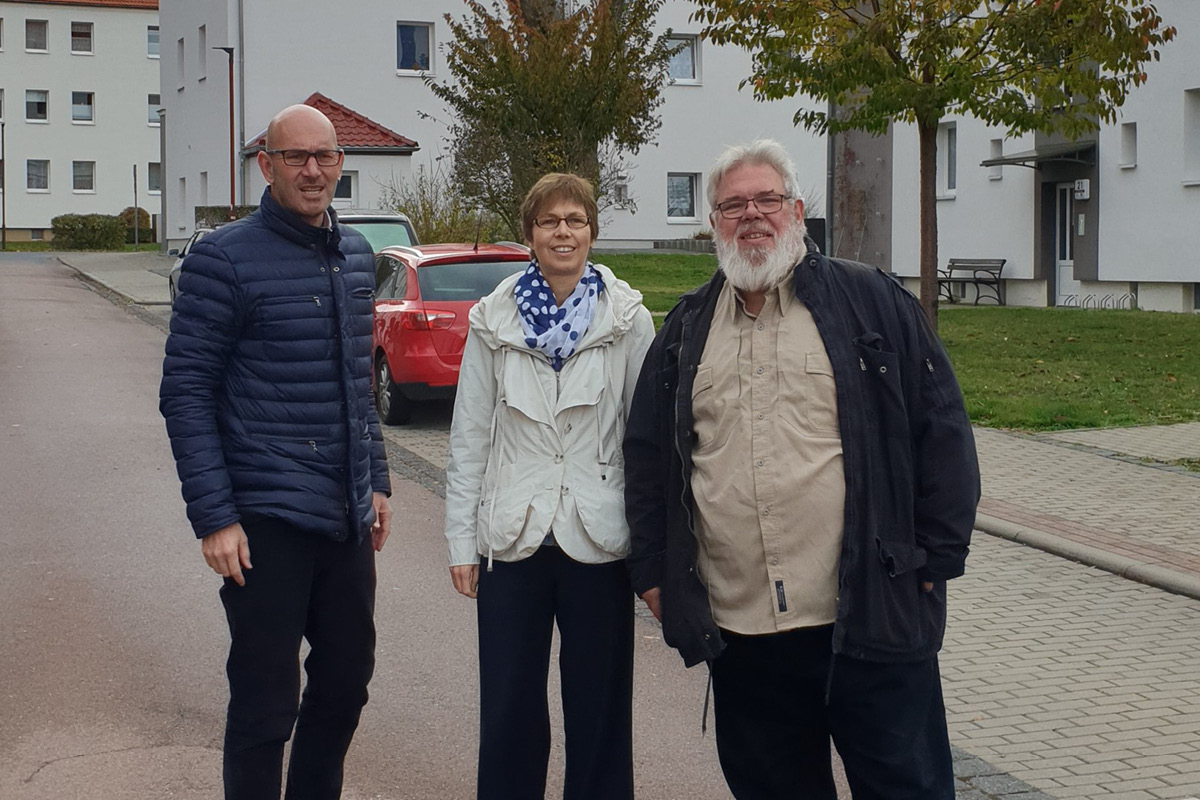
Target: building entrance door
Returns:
[1066, 288]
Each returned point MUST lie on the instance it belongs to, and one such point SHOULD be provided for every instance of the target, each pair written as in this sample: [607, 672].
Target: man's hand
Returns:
[465, 578]
[926, 586]
[227, 551]
[651, 598]
[382, 525]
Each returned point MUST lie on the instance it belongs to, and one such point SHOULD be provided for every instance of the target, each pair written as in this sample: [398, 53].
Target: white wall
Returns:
[118, 73]
[356, 66]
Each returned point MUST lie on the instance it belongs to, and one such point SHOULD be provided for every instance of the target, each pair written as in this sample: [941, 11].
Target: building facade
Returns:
[79, 99]
[372, 56]
[1106, 221]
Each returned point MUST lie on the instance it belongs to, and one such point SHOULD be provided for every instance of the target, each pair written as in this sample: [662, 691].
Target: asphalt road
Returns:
[112, 639]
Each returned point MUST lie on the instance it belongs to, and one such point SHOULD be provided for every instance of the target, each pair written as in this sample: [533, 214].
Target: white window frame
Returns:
[157, 41]
[202, 53]
[947, 160]
[1191, 137]
[996, 150]
[45, 120]
[45, 29]
[1, 34]
[91, 106]
[75, 178]
[693, 179]
[350, 176]
[181, 62]
[150, 165]
[1129, 146]
[693, 47]
[28, 163]
[152, 108]
[91, 39]
[431, 45]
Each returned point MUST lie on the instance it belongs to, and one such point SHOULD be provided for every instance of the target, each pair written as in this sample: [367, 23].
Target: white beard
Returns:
[758, 269]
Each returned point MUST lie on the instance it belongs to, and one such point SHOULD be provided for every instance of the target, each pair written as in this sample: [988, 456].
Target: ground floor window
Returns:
[83, 176]
[682, 190]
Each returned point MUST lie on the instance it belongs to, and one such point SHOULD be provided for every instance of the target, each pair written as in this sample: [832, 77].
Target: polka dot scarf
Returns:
[556, 330]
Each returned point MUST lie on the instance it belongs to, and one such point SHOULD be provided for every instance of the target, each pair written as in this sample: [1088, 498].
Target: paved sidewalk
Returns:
[1063, 679]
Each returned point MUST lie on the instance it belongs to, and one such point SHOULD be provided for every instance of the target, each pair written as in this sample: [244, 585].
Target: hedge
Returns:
[212, 216]
[88, 232]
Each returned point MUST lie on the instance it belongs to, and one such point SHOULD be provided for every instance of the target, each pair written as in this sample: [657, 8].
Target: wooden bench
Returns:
[982, 273]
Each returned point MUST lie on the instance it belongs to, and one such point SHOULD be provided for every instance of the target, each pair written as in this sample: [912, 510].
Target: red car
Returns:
[422, 297]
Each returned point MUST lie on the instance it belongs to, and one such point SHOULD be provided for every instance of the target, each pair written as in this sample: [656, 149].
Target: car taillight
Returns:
[427, 320]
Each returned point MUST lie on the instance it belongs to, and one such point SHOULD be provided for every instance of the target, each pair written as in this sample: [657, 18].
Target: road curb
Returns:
[1149, 574]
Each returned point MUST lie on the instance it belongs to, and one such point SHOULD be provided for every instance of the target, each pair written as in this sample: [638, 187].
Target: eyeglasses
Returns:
[299, 158]
[548, 223]
[765, 203]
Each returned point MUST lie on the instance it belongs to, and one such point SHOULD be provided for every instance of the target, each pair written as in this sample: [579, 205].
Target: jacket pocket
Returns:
[513, 505]
[601, 508]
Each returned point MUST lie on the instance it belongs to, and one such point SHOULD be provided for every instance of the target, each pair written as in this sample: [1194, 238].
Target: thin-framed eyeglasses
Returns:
[765, 203]
[574, 222]
[299, 158]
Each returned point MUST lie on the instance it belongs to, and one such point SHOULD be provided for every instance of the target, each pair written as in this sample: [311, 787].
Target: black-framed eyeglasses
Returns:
[574, 222]
[765, 203]
[299, 158]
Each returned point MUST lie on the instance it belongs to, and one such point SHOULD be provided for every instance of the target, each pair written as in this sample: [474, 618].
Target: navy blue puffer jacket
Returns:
[266, 380]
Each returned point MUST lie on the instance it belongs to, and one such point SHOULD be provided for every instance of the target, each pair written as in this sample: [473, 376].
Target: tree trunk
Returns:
[928, 207]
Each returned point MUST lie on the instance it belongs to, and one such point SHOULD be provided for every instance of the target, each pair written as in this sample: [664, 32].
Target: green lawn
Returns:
[1023, 368]
[48, 247]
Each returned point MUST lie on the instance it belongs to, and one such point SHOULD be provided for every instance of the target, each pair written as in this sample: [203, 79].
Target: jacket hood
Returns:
[495, 320]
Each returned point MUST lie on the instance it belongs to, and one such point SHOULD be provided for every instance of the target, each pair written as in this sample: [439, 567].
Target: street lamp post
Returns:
[232, 141]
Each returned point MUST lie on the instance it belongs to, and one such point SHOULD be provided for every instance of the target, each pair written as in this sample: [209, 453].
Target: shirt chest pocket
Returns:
[713, 412]
[820, 399]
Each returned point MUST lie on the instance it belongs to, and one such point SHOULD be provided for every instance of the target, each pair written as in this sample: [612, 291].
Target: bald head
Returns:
[302, 118]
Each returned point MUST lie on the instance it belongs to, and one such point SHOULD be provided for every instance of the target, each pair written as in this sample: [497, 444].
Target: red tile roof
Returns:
[148, 5]
[354, 131]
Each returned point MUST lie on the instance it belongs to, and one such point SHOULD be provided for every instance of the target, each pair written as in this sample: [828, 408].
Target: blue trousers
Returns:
[302, 586]
[518, 605]
[774, 725]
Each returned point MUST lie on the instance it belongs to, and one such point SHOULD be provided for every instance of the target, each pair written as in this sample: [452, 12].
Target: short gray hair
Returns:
[760, 151]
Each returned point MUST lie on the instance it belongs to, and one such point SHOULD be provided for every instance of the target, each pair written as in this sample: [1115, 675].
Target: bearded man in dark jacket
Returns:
[266, 395]
[801, 482]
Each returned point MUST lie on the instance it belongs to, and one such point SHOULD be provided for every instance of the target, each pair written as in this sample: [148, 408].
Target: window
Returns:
[37, 175]
[1, 176]
[83, 107]
[154, 177]
[1, 33]
[181, 204]
[413, 41]
[37, 34]
[345, 186]
[152, 41]
[83, 176]
[37, 105]
[179, 62]
[684, 66]
[621, 192]
[202, 54]
[947, 169]
[153, 104]
[81, 37]
[1128, 145]
[203, 189]
[996, 150]
[1191, 136]
[681, 195]
[1, 104]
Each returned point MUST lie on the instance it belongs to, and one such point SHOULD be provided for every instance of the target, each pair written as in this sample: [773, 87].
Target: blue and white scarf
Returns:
[555, 330]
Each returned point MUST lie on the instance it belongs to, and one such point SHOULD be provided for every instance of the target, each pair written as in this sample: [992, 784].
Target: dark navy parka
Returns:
[912, 478]
[266, 380]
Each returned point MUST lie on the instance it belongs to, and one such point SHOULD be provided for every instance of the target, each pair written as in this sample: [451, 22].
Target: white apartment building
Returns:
[79, 99]
[371, 56]
[1109, 221]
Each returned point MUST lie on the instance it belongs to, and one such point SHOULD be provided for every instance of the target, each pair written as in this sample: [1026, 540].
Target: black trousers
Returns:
[774, 726]
[301, 586]
[518, 604]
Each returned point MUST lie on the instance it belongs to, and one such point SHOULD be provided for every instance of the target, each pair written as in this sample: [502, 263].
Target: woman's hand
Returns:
[465, 578]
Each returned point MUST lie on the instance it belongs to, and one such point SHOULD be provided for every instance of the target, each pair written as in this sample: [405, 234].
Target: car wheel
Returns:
[390, 403]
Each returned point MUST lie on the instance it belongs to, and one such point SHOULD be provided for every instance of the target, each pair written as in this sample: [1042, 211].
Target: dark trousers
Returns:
[774, 725]
[518, 604]
[301, 586]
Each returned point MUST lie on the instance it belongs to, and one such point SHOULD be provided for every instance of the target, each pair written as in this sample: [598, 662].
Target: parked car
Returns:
[422, 299]
[381, 228]
[173, 276]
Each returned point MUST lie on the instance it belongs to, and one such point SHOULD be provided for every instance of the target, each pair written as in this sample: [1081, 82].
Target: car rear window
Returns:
[469, 281]
[384, 233]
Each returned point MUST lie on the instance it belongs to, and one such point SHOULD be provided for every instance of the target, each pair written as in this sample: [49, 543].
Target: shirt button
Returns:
[774, 561]
[759, 370]
[760, 416]
[760, 326]
[766, 512]
[758, 463]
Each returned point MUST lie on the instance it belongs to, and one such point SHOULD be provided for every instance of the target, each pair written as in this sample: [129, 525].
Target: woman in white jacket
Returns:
[535, 513]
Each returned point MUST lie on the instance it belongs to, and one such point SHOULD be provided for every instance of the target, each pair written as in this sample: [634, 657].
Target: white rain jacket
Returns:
[534, 451]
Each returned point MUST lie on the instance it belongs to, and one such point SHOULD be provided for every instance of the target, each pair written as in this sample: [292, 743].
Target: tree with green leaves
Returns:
[1024, 65]
[541, 86]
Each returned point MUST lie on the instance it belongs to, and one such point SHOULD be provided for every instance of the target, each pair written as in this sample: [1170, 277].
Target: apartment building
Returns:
[79, 100]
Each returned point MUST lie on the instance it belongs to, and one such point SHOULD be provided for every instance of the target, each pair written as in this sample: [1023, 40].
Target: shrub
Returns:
[438, 210]
[145, 233]
[212, 216]
[88, 232]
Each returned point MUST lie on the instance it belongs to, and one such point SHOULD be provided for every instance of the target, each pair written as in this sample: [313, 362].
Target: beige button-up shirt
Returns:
[767, 478]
